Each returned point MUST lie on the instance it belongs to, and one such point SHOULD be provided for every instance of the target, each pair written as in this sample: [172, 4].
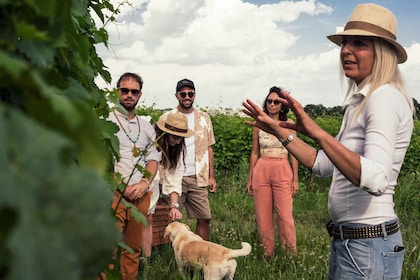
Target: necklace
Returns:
[135, 150]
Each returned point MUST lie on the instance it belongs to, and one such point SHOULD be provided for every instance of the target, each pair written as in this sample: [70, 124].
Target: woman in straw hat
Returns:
[171, 129]
[365, 158]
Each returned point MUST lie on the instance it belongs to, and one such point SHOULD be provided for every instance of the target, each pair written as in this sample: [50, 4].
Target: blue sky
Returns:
[406, 11]
[236, 49]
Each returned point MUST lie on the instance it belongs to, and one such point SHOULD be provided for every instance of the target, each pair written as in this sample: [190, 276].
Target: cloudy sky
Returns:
[236, 49]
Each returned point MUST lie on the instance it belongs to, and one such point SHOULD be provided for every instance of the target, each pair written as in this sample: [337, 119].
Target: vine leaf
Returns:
[63, 228]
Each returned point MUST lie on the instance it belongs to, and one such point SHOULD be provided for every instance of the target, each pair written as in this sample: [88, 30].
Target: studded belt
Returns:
[361, 232]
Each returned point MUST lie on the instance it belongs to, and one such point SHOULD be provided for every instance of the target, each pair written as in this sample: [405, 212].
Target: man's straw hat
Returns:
[372, 20]
[175, 124]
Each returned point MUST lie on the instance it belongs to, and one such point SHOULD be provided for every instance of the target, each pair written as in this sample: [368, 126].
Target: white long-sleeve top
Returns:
[380, 135]
[171, 181]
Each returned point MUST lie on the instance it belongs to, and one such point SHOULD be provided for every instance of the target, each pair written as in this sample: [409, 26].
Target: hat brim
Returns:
[161, 125]
[337, 38]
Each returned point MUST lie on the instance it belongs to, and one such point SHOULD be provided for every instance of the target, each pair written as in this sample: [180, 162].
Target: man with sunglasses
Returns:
[197, 164]
[136, 137]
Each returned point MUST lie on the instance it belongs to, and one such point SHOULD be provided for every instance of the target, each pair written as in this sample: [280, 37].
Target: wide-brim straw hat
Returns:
[372, 20]
[175, 124]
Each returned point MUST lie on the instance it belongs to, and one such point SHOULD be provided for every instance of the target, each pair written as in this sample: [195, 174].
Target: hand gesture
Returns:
[262, 120]
[303, 124]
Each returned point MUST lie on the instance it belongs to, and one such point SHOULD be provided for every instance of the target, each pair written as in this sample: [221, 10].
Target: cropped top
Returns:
[270, 145]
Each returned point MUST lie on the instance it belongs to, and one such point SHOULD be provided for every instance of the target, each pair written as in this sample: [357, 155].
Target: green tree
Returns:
[233, 141]
[55, 202]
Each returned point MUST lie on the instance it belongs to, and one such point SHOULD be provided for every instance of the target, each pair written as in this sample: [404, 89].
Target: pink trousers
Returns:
[272, 187]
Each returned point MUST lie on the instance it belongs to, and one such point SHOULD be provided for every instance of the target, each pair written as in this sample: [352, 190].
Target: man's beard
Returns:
[129, 108]
[184, 106]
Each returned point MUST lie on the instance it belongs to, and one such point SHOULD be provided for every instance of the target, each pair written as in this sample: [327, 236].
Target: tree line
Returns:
[320, 110]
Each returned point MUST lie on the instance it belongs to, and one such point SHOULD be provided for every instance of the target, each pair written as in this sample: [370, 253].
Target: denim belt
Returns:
[361, 232]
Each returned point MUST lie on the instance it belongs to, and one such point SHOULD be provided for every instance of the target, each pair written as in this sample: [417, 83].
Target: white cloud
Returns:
[232, 50]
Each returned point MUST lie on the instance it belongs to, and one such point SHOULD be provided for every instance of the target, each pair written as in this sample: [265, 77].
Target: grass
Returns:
[233, 221]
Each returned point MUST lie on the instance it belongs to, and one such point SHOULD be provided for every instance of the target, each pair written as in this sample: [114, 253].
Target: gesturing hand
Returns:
[262, 120]
[303, 124]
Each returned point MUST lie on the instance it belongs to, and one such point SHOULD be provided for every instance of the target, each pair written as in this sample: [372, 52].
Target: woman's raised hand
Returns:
[303, 123]
[262, 120]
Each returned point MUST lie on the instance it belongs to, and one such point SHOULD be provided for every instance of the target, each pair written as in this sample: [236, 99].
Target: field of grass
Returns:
[233, 221]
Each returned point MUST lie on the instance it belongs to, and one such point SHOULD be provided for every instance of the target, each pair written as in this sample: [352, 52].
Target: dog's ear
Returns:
[167, 231]
[170, 231]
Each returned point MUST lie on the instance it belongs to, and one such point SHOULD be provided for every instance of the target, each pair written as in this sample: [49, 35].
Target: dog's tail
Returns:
[246, 249]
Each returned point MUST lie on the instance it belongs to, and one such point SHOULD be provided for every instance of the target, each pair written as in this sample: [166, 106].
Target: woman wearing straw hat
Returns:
[365, 158]
[171, 129]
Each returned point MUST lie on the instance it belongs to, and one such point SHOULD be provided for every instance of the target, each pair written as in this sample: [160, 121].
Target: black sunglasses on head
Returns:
[183, 94]
[125, 91]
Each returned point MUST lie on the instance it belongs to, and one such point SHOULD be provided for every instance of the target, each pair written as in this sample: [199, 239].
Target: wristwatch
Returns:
[288, 140]
[175, 205]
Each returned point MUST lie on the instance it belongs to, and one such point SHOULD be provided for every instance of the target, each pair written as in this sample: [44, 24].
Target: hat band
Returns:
[370, 28]
[175, 129]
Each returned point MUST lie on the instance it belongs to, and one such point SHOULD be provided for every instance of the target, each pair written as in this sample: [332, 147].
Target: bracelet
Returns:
[147, 182]
[288, 140]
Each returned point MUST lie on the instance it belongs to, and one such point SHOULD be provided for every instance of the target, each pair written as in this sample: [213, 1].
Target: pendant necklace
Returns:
[135, 150]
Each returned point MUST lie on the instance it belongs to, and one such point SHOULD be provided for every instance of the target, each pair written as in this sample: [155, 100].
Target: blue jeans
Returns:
[370, 258]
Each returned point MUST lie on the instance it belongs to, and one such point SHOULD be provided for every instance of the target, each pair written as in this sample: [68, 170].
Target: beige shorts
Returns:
[195, 199]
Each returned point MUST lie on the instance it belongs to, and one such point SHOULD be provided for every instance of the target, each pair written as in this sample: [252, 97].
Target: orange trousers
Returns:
[132, 232]
[272, 187]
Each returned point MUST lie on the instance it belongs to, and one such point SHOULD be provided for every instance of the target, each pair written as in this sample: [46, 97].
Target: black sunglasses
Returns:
[276, 102]
[125, 91]
[184, 94]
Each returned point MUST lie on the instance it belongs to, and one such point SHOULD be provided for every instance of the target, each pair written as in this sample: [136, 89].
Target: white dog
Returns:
[191, 250]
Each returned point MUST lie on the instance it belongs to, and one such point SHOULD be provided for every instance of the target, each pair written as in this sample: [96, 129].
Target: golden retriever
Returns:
[216, 261]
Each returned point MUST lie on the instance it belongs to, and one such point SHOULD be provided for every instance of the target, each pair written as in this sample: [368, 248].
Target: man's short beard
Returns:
[129, 108]
[186, 107]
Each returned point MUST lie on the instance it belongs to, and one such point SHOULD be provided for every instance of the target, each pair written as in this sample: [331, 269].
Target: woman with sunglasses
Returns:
[273, 181]
[365, 158]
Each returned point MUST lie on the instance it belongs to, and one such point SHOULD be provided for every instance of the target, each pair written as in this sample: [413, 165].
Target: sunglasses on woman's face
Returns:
[183, 94]
[276, 102]
[125, 91]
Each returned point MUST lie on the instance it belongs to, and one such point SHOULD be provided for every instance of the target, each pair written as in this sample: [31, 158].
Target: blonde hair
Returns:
[385, 70]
